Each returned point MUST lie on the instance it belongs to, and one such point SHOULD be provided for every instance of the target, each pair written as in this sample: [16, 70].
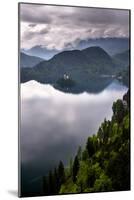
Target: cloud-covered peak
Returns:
[56, 26]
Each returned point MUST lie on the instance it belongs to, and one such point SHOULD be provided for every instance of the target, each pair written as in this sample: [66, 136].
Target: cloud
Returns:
[32, 25]
[69, 24]
[33, 14]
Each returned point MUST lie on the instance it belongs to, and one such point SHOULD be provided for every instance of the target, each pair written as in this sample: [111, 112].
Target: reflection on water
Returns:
[54, 124]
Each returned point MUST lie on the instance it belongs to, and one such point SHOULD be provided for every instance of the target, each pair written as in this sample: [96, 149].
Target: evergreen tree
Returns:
[79, 153]
[61, 173]
[71, 167]
[118, 110]
[75, 168]
[90, 147]
[85, 154]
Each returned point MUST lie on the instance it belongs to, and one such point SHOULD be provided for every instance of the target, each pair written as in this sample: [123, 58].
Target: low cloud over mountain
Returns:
[58, 27]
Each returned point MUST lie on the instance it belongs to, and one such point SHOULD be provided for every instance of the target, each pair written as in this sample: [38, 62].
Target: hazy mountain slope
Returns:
[122, 58]
[111, 45]
[41, 52]
[29, 61]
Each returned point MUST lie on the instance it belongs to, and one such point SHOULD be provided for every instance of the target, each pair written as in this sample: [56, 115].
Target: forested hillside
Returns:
[80, 65]
[123, 58]
[103, 164]
[77, 71]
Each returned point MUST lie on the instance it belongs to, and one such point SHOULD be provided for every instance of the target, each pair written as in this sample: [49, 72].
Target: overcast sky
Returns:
[58, 27]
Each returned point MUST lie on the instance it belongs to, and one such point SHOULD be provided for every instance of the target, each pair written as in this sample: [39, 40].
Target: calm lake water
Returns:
[54, 124]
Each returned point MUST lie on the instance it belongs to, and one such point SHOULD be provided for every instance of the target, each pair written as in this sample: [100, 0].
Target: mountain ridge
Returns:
[122, 57]
[29, 61]
[73, 69]
[110, 45]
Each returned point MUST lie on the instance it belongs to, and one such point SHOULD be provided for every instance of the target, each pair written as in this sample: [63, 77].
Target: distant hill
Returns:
[41, 52]
[29, 61]
[99, 60]
[93, 60]
[111, 45]
[122, 58]
[80, 67]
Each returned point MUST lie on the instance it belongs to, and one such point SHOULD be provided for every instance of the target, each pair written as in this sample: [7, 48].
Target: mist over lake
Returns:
[54, 123]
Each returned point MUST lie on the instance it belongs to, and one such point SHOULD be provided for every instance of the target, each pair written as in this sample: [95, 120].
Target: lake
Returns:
[54, 124]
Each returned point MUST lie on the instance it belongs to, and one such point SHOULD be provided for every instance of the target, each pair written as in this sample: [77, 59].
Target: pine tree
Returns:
[79, 153]
[61, 173]
[56, 188]
[90, 147]
[75, 168]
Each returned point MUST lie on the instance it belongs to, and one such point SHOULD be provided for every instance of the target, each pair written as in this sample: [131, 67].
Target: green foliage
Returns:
[126, 98]
[69, 187]
[75, 168]
[54, 180]
[119, 168]
[85, 154]
[83, 175]
[103, 183]
[79, 153]
[90, 147]
[104, 164]
[71, 167]
[118, 110]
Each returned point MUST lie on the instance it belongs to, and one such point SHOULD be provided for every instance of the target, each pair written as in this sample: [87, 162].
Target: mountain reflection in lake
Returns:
[54, 124]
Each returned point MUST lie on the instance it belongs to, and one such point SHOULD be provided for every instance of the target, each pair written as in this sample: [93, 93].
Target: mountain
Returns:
[75, 69]
[41, 52]
[110, 45]
[122, 58]
[100, 60]
[92, 60]
[29, 61]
